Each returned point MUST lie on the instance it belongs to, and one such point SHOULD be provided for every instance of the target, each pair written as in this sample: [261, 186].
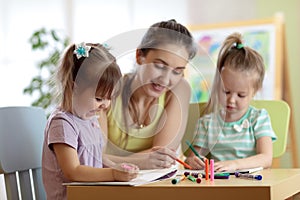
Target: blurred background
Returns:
[100, 20]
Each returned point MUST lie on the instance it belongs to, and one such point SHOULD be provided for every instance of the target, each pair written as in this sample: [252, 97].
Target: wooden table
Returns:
[277, 184]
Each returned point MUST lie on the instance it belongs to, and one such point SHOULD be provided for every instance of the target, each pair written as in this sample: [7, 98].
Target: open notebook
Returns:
[144, 177]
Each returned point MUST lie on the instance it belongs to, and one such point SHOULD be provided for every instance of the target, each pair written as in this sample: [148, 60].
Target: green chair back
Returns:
[278, 110]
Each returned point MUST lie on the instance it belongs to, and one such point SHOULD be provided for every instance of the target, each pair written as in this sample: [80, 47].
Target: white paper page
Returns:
[144, 176]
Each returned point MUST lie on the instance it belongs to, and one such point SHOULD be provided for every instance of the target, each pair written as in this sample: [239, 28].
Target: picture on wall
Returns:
[259, 36]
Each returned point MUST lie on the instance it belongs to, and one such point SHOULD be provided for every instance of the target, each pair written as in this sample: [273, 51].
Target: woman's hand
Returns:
[159, 157]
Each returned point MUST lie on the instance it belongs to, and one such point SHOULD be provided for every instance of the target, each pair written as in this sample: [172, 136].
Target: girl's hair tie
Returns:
[82, 50]
[239, 45]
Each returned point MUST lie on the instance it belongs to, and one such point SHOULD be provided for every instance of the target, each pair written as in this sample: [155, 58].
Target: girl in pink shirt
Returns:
[74, 140]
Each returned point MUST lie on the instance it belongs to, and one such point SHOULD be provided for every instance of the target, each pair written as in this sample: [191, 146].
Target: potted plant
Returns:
[51, 43]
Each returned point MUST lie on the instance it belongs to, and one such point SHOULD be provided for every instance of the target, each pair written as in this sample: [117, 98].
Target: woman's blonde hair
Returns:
[99, 71]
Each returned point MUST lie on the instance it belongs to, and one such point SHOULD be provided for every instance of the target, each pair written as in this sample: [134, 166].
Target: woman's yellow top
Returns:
[137, 139]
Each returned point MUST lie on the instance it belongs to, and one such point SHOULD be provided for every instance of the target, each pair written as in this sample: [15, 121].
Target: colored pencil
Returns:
[183, 163]
[194, 151]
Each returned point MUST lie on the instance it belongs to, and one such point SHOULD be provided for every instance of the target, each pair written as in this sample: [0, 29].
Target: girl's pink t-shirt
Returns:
[83, 135]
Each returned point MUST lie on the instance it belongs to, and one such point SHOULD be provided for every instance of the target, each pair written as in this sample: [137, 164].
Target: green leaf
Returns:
[53, 45]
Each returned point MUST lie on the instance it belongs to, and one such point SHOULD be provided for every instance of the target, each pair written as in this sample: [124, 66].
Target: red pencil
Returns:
[183, 163]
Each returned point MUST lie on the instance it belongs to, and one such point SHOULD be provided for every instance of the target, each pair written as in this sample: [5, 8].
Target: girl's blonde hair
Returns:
[234, 55]
[98, 71]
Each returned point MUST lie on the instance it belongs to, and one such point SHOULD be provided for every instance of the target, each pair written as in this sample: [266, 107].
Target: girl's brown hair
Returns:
[99, 71]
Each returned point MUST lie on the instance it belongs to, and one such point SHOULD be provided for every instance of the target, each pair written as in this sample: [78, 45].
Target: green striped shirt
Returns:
[233, 140]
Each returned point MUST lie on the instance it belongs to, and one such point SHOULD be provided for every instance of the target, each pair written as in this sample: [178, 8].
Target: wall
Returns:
[210, 12]
[290, 9]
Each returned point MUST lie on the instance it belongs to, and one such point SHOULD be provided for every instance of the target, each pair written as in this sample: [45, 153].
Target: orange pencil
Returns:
[183, 163]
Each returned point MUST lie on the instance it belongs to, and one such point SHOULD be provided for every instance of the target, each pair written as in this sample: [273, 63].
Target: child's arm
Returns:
[193, 160]
[69, 163]
[263, 158]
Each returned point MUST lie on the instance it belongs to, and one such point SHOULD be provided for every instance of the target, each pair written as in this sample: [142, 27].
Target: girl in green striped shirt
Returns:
[234, 133]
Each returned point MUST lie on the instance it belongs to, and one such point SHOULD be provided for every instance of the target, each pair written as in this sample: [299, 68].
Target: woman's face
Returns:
[161, 69]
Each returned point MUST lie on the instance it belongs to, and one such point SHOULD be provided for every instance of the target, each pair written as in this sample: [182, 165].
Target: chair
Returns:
[21, 140]
[278, 110]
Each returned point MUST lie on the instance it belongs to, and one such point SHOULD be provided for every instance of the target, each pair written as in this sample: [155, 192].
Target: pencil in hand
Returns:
[184, 164]
[194, 151]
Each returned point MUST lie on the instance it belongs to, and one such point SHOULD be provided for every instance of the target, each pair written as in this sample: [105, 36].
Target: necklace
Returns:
[140, 126]
[140, 116]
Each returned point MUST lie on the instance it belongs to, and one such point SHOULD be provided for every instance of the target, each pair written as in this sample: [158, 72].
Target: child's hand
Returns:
[195, 162]
[228, 165]
[125, 171]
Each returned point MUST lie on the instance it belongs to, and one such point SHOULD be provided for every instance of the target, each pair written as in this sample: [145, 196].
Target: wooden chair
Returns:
[21, 141]
[278, 110]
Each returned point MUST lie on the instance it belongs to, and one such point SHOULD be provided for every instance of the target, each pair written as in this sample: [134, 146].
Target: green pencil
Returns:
[194, 151]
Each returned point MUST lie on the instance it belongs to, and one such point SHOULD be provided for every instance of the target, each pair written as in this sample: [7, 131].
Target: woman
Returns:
[147, 121]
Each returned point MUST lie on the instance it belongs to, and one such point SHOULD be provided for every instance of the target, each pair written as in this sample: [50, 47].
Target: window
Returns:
[89, 20]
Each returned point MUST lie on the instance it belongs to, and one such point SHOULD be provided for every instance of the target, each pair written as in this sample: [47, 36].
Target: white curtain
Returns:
[89, 20]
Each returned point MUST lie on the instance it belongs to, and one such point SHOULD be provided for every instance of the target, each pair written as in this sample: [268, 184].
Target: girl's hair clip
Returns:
[239, 45]
[106, 46]
[82, 50]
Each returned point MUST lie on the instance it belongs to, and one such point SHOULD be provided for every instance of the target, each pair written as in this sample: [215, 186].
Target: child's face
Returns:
[87, 105]
[161, 70]
[236, 93]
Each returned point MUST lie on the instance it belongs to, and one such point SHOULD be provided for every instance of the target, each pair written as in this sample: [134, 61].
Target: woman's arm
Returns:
[157, 157]
[103, 121]
[167, 140]
[176, 117]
